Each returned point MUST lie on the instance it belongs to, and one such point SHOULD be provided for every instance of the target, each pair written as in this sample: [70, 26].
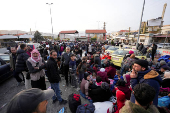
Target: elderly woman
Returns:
[35, 66]
[127, 63]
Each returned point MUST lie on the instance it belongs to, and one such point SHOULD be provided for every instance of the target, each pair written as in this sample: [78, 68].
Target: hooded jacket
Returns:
[149, 77]
[121, 98]
[22, 57]
[111, 72]
[104, 77]
[130, 107]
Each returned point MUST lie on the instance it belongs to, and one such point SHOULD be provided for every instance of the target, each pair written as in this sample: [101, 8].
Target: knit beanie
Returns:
[131, 52]
[162, 62]
[142, 63]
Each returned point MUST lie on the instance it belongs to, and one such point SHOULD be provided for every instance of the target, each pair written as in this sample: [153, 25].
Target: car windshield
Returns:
[112, 48]
[138, 53]
[120, 52]
[106, 46]
[5, 57]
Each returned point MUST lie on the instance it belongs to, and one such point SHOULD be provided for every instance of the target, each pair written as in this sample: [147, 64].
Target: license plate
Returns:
[115, 58]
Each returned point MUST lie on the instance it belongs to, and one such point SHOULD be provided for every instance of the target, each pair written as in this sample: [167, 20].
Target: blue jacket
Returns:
[116, 79]
[149, 77]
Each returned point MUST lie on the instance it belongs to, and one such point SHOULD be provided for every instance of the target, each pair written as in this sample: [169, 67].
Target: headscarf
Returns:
[35, 59]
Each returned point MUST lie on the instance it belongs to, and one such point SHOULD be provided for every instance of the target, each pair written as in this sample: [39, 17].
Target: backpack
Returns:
[86, 108]
[74, 102]
[164, 101]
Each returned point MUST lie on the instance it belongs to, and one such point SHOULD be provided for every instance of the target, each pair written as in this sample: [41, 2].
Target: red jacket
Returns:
[121, 98]
[95, 69]
[104, 77]
[111, 72]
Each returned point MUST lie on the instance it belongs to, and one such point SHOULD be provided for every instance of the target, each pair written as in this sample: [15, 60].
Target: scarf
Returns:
[35, 59]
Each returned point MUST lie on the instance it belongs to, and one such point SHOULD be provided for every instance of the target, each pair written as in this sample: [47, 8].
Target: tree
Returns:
[37, 36]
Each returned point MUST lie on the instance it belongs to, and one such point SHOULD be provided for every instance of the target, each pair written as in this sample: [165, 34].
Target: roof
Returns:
[69, 32]
[95, 31]
[124, 31]
[8, 37]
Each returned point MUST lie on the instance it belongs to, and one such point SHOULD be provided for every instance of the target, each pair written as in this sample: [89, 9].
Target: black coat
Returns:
[144, 50]
[52, 71]
[99, 95]
[45, 52]
[22, 57]
[66, 58]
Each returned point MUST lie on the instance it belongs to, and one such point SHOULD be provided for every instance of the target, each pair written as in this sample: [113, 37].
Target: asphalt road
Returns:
[9, 88]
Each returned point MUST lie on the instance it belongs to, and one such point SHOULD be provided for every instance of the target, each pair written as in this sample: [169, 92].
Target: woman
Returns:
[35, 66]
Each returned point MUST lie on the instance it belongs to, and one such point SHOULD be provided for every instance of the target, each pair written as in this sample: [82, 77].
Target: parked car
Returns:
[106, 46]
[33, 45]
[5, 71]
[111, 49]
[118, 55]
[163, 45]
[5, 57]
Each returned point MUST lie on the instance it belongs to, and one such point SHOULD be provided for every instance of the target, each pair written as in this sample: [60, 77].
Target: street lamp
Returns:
[51, 20]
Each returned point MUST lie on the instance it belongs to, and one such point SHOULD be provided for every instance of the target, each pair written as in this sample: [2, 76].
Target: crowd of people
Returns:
[136, 85]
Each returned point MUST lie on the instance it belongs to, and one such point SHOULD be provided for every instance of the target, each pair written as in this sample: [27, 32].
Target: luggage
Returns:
[164, 101]
[86, 108]
[74, 102]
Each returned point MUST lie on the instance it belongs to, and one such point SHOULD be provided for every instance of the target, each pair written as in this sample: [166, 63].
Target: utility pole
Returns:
[140, 23]
[51, 20]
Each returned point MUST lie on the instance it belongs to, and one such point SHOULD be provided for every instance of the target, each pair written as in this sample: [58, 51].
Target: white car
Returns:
[163, 45]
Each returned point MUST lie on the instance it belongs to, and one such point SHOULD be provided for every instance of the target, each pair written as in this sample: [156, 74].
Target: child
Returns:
[72, 70]
[81, 70]
[95, 68]
[117, 77]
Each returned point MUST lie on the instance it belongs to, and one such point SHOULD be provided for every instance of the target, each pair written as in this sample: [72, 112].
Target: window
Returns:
[142, 40]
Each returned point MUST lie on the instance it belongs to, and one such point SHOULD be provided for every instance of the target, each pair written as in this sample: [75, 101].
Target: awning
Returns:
[123, 38]
[26, 36]
[8, 37]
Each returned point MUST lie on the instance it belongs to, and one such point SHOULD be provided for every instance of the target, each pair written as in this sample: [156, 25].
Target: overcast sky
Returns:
[78, 14]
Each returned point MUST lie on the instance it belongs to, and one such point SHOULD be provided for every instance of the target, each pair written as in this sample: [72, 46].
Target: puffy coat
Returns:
[149, 77]
[104, 77]
[22, 57]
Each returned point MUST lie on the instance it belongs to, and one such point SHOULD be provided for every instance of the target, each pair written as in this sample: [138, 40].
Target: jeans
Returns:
[16, 76]
[27, 81]
[84, 96]
[81, 76]
[73, 80]
[55, 87]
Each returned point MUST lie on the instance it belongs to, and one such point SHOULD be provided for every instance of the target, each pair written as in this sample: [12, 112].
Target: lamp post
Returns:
[51, 20]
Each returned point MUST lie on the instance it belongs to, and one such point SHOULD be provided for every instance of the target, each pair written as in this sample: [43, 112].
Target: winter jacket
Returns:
[99, 95]
[72, 67]
[45, 52]
[130, 107]
[121, 98]
[84, 86]
[66, 58]
[35, 74]
[52, 71]
[125, 90]
[144, 50]
[97, 60]
[149, 77]
[22, 57]
[116, 79]
[140, 47]
[111, 72]
[154, 48]
[104, 77]
[166, 83]
[95, 69]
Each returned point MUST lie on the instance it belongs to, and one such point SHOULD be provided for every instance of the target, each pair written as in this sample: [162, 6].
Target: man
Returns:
[36, 67]
[53, 77]
[141, 74]
[21, 66]
[46, 52]
[30, 101]
[29, 49]
[66, 59]
[13, 57]
[144, 95]
[154, 48]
